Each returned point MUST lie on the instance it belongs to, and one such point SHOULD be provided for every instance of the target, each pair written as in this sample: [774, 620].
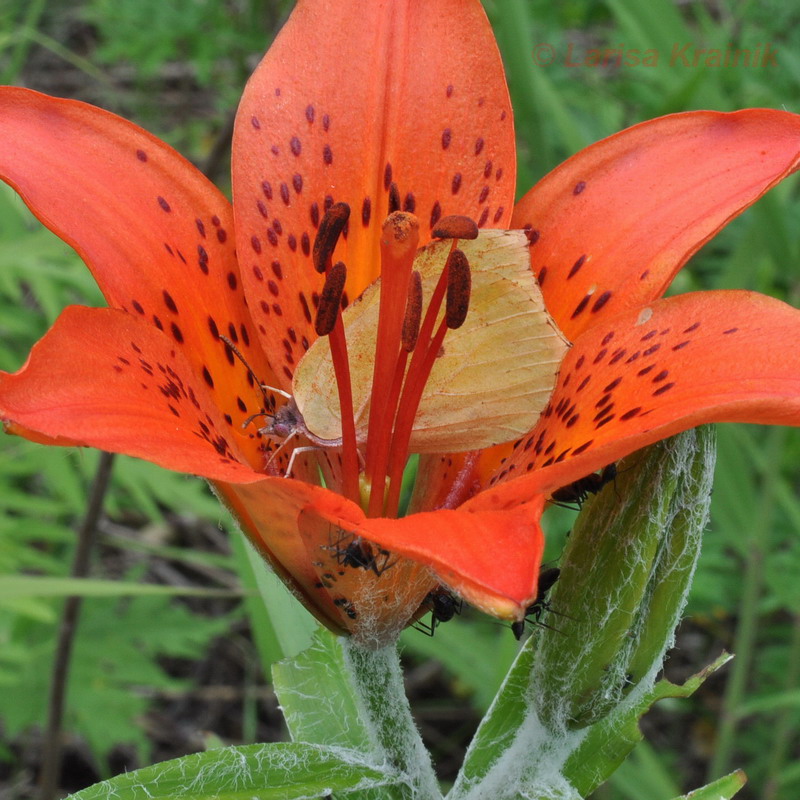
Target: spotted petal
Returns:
[728, 356]
[351, 97]
[157, 235]
[102, 378]
[613, 224]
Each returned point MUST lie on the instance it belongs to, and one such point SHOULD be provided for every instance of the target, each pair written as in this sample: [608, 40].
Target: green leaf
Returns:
[16, 586]
[609, 741]
[499, 727]
[282, 628]
[722, 789]
[338, 693]
[284, 771]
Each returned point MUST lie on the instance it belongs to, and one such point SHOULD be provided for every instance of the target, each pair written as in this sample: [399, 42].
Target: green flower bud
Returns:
[625, 575]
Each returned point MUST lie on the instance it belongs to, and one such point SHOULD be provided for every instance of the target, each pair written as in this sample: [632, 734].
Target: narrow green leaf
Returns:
[318, 699]
[338, 693]
[608, 742]
[500, 725]
[282, 628]
[283, 771]
[722, 789]
[15, 586]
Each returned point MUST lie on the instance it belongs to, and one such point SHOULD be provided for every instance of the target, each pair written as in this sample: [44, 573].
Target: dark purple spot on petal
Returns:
[601, 301]
[661, 389]
[581, 306]
[436, 213]
[576, 266]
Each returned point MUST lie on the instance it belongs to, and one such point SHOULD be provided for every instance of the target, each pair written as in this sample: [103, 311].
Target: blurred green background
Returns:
[155, 676]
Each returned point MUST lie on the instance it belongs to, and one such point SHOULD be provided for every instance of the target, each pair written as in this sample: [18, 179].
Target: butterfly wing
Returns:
[494, 374]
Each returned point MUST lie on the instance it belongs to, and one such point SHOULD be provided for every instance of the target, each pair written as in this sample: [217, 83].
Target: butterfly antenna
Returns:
[263, 387]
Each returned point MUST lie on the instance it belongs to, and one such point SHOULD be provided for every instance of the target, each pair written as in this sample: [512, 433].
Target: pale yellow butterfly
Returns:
[495, 373]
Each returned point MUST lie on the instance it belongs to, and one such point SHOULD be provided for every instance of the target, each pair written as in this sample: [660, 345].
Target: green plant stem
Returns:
[786, 723]
[378, 677]
[748, 614]
[51, 751]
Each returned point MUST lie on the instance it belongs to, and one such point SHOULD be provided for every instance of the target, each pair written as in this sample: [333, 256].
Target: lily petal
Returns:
[491, 558]
[612, 225]
[411, 93]
[727, 356]
[101, 378]
[157, 235]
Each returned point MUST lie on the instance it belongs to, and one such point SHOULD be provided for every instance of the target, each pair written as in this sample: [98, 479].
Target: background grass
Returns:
[178, 68]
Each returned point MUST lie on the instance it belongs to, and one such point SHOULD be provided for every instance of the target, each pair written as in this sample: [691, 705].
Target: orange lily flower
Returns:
[386, 105]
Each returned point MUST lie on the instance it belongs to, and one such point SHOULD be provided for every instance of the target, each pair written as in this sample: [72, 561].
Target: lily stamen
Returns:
[455, 226]
[413, 317]
[398, 249]
[328, 314]
[454, 288]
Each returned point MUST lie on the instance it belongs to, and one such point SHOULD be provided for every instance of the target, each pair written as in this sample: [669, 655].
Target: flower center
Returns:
[407, 345]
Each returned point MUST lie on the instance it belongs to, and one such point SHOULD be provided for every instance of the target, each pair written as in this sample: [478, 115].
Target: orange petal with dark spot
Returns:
[728, 356]
[611, 226]
[491, 558]
[101, 378]
[157, 235]
[350, 98]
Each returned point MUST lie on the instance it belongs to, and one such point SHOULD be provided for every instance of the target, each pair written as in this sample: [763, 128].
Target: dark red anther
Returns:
[455, 226]
[413, 316]
[330, 228]
[459, 283]
[330, 300]
[394, 198]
